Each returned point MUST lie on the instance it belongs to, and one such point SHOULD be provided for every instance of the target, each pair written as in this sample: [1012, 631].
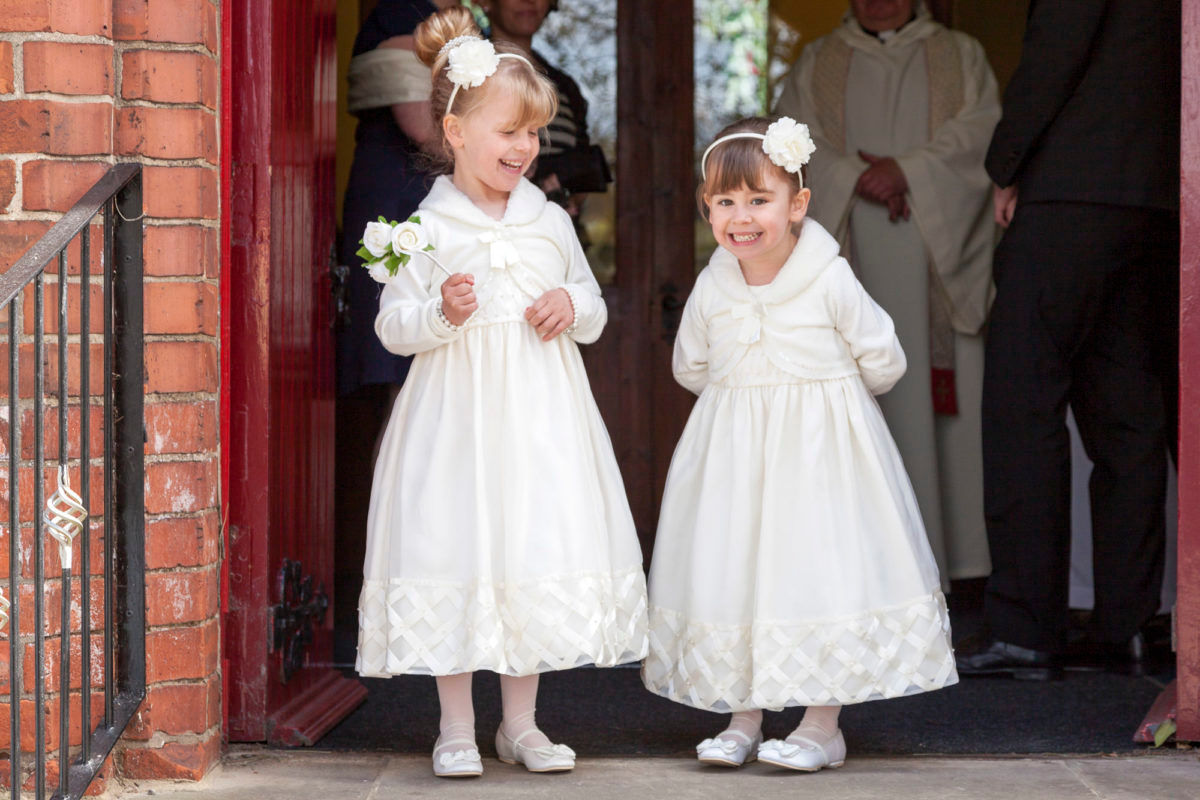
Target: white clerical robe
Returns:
[925, 96]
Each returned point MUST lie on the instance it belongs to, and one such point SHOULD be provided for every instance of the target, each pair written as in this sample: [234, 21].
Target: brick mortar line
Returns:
[118, 71]
[209, 338]
[150, 44]
[214, 620]
[149, 457]
[65, 99]
[193, 569]
[162, 398]
[184, 681]
[18, 68]
[120, 45]
[138, 102]
[117, 158]
[202, 457]
[167, 515]
[54, 36]
[181, 222]
[154, 279]
[158, 739]
[132, 45]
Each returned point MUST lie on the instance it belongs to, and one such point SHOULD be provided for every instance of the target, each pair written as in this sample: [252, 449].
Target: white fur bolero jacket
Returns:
[534, 244]
[814, 320]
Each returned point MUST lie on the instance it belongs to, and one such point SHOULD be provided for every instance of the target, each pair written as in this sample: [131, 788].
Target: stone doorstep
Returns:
[266, 774]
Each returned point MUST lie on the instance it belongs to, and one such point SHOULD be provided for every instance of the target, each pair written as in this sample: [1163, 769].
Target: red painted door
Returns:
[280, 100]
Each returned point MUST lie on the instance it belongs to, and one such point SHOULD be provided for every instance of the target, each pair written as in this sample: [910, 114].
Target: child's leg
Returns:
[736, 744]
[820, 724]
[816, 743]
[519, 698]
[745, 722]
[457, 724]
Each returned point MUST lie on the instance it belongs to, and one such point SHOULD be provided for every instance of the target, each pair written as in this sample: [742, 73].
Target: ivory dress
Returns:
[791, 566]
[499, 536]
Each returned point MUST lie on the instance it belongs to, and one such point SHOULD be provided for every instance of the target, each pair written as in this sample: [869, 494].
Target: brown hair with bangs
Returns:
[742, 162]
[533, 97]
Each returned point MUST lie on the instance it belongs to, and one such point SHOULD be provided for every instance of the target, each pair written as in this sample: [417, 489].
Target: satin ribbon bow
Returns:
[552, 751]
[785, 749]
[459, 757]
[503, 253]
[751, 315]
[726, 746]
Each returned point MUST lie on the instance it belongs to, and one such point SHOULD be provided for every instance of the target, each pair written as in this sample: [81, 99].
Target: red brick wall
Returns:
[85, 83]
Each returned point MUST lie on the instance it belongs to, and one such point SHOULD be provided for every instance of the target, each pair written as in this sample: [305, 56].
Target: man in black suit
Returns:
[1086, 166]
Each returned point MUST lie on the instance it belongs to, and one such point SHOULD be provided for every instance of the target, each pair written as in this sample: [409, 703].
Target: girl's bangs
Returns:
[734, 164]
[535, 102]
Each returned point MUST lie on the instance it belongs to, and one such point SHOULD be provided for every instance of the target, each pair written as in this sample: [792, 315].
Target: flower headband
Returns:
[786, 143]
[471, 61]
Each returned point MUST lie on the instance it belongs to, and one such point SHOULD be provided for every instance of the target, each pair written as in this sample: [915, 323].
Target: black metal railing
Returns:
[108, 516]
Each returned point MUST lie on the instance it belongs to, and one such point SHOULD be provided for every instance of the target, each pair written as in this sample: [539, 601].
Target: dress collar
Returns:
[814, 251]
[525, 204]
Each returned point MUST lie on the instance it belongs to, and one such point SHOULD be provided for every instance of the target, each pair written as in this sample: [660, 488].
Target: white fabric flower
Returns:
[408, 237]
[379, 271]
[471, 63]
[788, 144]
[377, 238]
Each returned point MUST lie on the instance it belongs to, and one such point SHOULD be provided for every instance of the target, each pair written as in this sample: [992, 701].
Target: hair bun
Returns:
[433, 33]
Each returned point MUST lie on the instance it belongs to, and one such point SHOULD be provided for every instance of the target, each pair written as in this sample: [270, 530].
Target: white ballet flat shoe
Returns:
[464, 763]
[723, 751]
[547, 758]
[806, 755]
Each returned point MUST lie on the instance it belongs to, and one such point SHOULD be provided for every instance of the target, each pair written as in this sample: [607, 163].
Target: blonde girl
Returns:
[499, 536]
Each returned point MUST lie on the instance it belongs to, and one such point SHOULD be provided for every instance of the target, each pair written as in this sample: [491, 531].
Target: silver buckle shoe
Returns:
[547, 758]
[464, 763]
[806, 755]
[723, 751]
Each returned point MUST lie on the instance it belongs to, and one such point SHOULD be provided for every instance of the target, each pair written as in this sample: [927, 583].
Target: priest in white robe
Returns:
[902, 110]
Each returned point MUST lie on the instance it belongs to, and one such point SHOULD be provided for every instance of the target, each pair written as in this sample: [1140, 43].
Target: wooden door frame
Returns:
[1187, 604]
[630, 366]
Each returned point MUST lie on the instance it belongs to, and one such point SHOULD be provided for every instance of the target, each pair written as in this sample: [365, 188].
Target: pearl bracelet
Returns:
[574, 312]
[442, 318]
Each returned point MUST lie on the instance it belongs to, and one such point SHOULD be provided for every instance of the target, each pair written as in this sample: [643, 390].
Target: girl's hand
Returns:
[458, 297]
[551, 314]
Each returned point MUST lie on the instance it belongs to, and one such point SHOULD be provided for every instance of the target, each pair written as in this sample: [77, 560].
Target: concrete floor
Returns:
[265, 774]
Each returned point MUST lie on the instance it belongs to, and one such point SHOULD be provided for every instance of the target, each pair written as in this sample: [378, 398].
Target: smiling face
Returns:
[882, 15]
[491, 151]
[755, 224]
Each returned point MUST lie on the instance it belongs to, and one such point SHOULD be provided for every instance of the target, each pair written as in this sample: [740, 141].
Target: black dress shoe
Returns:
[1002, 658]
[1124, 658]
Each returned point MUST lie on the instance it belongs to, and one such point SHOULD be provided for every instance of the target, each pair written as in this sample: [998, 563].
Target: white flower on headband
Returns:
[788, 144]
[471, 63]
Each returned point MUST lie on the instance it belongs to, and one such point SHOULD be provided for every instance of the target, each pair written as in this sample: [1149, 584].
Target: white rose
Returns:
[788, 144]
[379, 272]
[471, 63]
[408, 237]
[376, 238]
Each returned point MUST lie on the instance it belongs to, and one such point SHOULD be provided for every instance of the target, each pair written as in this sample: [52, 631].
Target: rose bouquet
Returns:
[387, 246]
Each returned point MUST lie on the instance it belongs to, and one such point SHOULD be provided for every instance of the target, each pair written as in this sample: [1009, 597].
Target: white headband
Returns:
[470, 61]
[786, 143]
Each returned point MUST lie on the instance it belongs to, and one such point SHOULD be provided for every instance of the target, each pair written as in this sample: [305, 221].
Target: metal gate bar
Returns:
[65, 516]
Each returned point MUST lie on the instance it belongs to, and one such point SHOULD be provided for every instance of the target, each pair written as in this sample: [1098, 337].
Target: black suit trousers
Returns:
[1086, 314]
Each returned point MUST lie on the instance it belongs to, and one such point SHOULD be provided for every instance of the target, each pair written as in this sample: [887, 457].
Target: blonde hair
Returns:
[533, 98]
[742, 162]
